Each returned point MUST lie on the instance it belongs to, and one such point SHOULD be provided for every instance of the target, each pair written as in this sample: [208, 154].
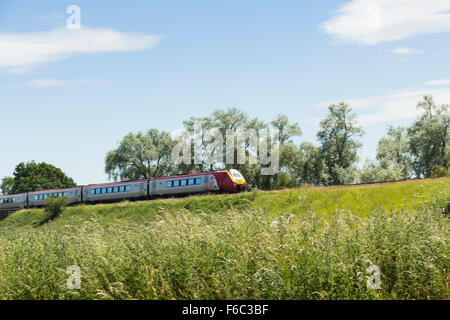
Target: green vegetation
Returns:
[305, 243]
[420, 150]
[33, 176]
[55, 206]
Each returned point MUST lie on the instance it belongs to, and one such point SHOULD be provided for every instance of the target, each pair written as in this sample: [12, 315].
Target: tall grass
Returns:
[191, 249]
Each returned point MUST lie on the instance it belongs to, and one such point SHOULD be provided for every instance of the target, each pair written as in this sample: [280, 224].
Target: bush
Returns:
[55, 206]
[439, 172]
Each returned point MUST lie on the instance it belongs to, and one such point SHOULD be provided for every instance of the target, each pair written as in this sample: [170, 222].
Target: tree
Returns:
[223, 121]
[373, 172]
[141, 156]
[34, 177]
[287, 129]
[55, 206]
[429, 138]
[339, 147]
[7, 185]
[309, 167]
[394, 154]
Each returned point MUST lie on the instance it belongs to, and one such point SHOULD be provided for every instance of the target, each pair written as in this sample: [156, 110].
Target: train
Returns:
[212, 181]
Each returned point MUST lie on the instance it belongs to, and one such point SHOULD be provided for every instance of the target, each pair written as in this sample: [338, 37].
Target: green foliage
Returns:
[308, 166]
[339, 145]
[35, 177]
[141, 156]
[429, 137]
[439, 172]
[394, 156]
[55, 206]
[7, 185]
[378, 173]
[306, 243]
[402, 154]
[287, 129]
[237, 121]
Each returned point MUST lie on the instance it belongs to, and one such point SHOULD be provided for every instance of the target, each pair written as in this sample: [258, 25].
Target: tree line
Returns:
[421, 150]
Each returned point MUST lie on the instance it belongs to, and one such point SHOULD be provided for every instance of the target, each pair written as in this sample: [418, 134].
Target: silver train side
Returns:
[129, 190]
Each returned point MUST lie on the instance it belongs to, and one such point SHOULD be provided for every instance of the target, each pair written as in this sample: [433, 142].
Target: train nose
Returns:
[242, 187]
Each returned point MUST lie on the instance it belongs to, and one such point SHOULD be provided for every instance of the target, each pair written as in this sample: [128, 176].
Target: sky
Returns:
[67, 96]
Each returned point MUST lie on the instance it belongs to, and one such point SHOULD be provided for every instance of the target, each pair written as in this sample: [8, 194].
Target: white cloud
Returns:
[45, 83]
[404, 51]
[21, 51]
[393, 107]
[437, 82]
[50, 83]
[369, 22]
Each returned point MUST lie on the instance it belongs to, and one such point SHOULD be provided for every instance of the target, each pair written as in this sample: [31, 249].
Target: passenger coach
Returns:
[116, 191]
[39, 198]
[224, 181]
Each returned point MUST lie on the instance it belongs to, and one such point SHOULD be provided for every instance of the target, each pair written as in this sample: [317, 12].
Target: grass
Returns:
[305, 243]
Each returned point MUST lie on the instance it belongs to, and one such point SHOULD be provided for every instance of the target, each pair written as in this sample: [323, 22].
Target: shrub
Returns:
[55, 206]
[439, 172]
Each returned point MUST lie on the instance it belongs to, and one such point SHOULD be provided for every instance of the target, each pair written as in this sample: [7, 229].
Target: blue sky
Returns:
[68, 97]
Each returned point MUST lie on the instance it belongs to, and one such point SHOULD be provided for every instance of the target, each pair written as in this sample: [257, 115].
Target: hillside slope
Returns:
[305, 243]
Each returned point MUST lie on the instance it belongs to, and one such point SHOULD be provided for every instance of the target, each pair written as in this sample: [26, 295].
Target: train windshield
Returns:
[236, 174]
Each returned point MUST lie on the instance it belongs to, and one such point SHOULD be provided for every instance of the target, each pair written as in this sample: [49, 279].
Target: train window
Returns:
[109, 190]
[191, 182]
[198, 181]
[92, 192]
[183, 182]
[122, 189]
[103, 190]
[176, 183]
[127, 188]
[97, 191]
[116, 189]
[36, 197]
[168, 184]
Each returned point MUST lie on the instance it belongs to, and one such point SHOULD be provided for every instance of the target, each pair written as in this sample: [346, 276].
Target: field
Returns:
[305, 243]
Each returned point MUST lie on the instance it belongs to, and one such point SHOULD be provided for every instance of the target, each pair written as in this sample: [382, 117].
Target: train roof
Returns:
[54, 190]
[187, 175]
[12, 195]
[114, 183]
